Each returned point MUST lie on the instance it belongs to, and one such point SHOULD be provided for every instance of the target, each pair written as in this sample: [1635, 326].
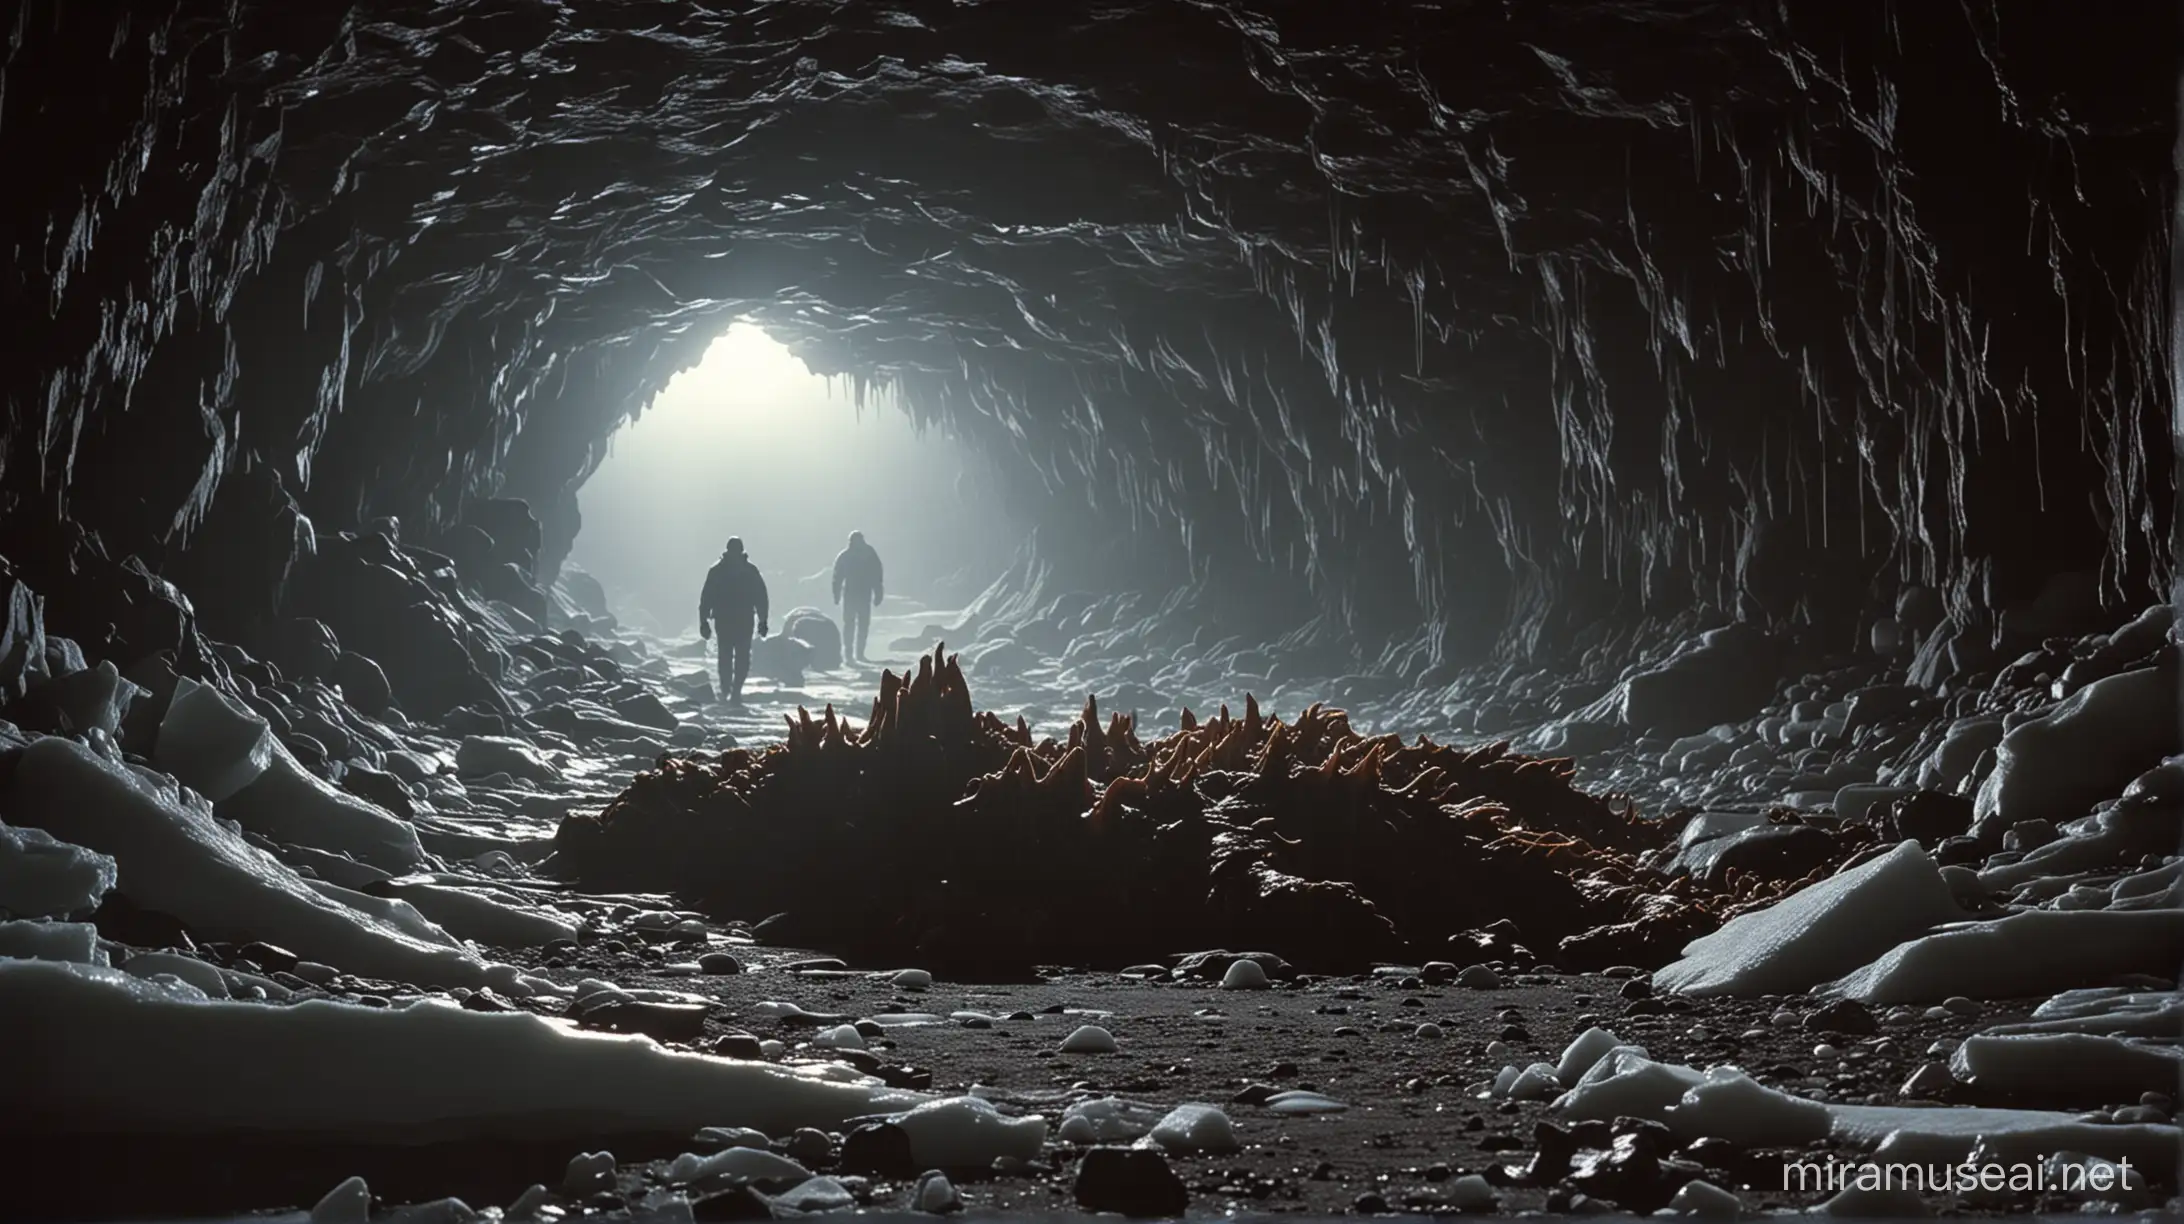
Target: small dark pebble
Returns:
[1369, 1203]
[1637, 988]
[1645, 1007]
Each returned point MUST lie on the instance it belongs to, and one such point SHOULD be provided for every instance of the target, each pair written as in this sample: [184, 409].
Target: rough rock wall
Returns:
[1522, 314]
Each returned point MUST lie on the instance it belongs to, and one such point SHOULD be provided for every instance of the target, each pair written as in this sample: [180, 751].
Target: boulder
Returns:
[813, 628]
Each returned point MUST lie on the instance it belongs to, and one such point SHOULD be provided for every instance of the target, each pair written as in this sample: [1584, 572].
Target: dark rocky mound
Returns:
[943, 835]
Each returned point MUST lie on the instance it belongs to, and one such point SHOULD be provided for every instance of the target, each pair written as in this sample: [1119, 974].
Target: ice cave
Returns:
[675, 610]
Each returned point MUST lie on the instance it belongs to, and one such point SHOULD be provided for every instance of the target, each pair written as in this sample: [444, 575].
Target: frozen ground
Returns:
[300, 974]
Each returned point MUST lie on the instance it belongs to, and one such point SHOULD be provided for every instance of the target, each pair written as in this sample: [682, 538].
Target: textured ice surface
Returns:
[2065, 1069]
[143, 1060]
[43, 877]
[212, 742]
[2030, 953]
[175, 858]
[1723, 1102]
[1819, 934]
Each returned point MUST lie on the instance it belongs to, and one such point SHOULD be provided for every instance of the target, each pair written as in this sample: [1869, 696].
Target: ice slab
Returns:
[74, 942]
[44, 877]
[211, 741]
[2035, 952]
[145, 1060]
[288, 803]
[176, 858]
[1818, 934]
[2059, 765]
[2065, 1069]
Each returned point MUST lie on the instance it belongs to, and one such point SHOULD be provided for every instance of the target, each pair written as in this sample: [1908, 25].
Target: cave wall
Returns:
[1512, 315]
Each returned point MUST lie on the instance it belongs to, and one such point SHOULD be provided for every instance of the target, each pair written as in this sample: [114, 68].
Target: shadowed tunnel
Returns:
[1464, 324]
[1554, 513]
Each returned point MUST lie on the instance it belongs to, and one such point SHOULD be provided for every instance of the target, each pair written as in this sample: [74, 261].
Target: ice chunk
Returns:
[1302, 1102]
[1820, 933]
[1706, 1200]
[2112, 1012]
[2031, 953]
[1089, 1039]
[1579, 1056]
[288, 803]
[1107, 1120]
[1245, 974]
[2059, 765]
[145, 1061]
[1626, 1082]
[43, 877]
[969, 1133]
[1914, 1134]
[75, 942]
[1535, 1083]
[1728, 1104]
[2066, 1068]
[178, 860]
[211, 741]
[487, 915]
[205, 977]
[840, 1037]
[738, 1163]
[1196, 1128]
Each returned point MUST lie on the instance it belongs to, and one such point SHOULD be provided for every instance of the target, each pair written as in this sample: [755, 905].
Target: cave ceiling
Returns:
[1438, 300]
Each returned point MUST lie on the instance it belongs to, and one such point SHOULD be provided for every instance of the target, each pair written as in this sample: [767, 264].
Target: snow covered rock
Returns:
[146, 1060]
[174, 857]
[1820, 933]
[42, 877]
[2058, 766]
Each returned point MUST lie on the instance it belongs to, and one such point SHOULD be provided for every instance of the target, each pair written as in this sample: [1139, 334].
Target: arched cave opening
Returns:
[749, 443]
[1666, 509]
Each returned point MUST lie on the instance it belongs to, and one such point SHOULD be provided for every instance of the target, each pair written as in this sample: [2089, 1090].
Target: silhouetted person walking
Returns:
[858, 585]
[734, 596]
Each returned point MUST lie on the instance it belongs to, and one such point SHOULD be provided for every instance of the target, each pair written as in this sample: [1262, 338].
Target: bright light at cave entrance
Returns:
[750, 443]
[747, 386]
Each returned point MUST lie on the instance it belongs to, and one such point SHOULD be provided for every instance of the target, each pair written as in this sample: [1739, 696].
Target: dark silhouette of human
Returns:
[858, 586]
[734, 598]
